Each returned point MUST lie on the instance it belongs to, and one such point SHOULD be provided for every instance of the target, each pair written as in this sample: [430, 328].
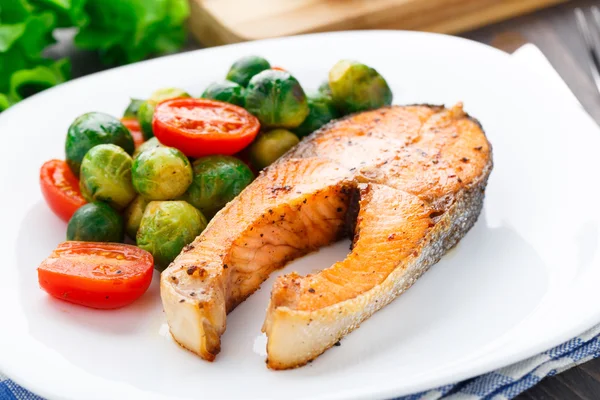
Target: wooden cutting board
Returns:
[216, 22]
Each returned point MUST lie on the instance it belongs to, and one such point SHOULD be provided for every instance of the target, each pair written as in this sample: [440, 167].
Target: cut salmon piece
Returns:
[405, 182]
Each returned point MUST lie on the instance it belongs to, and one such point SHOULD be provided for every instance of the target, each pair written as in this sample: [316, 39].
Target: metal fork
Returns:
[588, 35]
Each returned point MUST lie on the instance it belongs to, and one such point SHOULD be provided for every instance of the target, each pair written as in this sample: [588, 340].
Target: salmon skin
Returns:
[407, 183]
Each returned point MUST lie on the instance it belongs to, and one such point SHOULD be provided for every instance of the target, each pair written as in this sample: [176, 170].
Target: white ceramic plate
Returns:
[524, 279]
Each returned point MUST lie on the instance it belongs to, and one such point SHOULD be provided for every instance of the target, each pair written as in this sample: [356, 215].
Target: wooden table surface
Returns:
[554, 31]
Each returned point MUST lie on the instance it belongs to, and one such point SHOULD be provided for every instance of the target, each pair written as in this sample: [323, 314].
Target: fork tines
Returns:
[591, 38]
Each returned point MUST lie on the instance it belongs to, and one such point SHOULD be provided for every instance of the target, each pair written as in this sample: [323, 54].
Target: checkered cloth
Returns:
[501, 384]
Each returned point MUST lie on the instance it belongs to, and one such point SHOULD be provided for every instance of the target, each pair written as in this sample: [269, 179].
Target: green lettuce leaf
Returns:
[27, 82]
[125, 31]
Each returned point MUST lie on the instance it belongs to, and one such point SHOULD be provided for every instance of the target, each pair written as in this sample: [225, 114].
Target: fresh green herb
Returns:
[122, 31]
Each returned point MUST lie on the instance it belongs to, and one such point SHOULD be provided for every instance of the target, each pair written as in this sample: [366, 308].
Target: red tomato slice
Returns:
[97, 275]
[60, 188]
[136, 131]
[199, 127]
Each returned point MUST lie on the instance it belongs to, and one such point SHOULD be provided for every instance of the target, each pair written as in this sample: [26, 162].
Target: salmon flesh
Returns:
[405, 182]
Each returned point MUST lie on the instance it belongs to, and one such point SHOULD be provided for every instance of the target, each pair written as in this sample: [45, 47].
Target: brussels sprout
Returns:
[91, 129]
[357, 87]
[146, 110]
[168, 226]
[133, 216]
[324, 89]
[321, 111]
[227, 91]
[271, 145]
[217, 180]
[95, 222]
[132, 109]
[106, 176]
[151, 143]
[161, 173]
[167, 93]
[245, 68]
[276, 99]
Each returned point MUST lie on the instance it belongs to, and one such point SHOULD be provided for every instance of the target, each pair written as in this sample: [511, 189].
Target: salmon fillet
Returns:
[405, 182]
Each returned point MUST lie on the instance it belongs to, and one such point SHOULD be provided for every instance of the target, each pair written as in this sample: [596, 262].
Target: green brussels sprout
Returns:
[146, 109]
[106, 176]
[217, 180]
[227, 91]
[269, 146]
[151, 143]
[132, 109]
[161, 173]
[321, 111]
[91, 129]
[276, 99]
[133, 216]
[357, 87]
[245, 68]
[324, 89]
[95, 222]
[168, 226]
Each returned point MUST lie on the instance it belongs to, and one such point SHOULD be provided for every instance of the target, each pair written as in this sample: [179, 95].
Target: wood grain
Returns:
[216, 22]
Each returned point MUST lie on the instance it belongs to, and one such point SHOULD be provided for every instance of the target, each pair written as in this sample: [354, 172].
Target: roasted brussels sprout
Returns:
[161, 173]
[321, 111]
[276, 99]
[217, 180]
[271, 145]
[324, 89]
[133, 216]
[227, 91]
[245, 68]
[147, 145]
[91, 129]
[357, 87]
[146, 109]
[166, 227]
[132, 109]
[95, 222]
[106, 176]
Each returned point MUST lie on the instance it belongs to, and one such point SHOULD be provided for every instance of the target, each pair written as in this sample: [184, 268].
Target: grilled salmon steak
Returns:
[406, 183]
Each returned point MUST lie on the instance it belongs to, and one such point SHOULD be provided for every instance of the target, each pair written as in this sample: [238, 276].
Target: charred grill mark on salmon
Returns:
[395, 179]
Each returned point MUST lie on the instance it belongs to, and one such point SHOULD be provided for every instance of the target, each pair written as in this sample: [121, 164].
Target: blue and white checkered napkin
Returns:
[501, 384]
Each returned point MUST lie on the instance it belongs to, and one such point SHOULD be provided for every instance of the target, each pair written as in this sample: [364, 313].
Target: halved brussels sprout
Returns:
[321, 111]
[227, 91]
[96, 222]
[106, 176]
[168, 226]
[146, 109]
[357, 87]
[269, 146]
[151, 143]
[91, 129]
[276, 99]
[217, 180]
[132, 109]
[245, 68]
[133, 216]
[161, 173]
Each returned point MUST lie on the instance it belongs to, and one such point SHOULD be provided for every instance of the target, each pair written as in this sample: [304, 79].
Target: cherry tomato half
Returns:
[136, 131]
[200, 127]
[97, 275]
[60, 188]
